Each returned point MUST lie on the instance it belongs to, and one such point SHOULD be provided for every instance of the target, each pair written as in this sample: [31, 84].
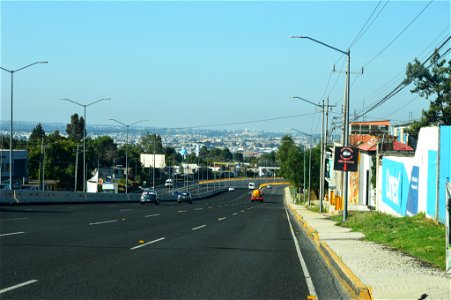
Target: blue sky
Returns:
[188, 64]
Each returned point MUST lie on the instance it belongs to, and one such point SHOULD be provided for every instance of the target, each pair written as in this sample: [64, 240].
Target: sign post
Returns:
[346, 160]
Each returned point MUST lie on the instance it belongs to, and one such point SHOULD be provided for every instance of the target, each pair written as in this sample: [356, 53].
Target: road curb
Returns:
[342, 272]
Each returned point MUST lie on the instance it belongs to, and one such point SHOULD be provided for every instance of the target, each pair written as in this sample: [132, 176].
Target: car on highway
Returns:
[231, 188]
[168, 183]
[251, 186]
[184, 197]
[269, 186]
[149, 196]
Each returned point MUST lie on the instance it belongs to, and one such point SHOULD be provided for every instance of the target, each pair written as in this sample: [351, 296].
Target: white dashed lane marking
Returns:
[17, 286]
[199, 227]
[154, 215]
[12, 233]
[148, 243]
[103, 222]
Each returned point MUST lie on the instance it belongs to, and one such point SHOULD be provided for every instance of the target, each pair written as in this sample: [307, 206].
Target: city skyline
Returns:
[213, 65]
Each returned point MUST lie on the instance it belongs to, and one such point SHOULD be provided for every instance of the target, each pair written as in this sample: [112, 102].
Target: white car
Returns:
[251, 186]
[231, 188]
[168, 183]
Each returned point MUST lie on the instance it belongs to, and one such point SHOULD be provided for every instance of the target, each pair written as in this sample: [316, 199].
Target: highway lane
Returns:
[222, 247]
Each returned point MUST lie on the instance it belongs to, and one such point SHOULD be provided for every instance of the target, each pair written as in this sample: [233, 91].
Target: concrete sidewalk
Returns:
[369, 270]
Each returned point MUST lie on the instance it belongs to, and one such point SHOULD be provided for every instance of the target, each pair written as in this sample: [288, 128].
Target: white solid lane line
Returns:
[103, 222]
[310, 285]
[17, 286]
[12, 233]
[154, 215]
[145, 244]
[199, 227]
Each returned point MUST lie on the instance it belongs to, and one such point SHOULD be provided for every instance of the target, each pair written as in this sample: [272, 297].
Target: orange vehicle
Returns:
[257, 195]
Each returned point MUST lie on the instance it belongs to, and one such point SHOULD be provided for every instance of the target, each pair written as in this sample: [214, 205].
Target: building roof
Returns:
[376, 123]
[371, 145]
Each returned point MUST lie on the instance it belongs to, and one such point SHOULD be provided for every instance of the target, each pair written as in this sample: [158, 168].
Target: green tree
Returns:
[172, 157]
[75, 128]
[226, 155]
[238, 157]
[290, 159]
[105, 150]
[37, 134]
[151, 143]
[434, 84]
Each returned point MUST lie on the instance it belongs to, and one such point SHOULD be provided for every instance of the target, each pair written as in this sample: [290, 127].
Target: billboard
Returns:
[147, 160]
[392, 185]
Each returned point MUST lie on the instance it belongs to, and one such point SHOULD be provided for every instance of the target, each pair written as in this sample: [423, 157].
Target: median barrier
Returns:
[57, 197]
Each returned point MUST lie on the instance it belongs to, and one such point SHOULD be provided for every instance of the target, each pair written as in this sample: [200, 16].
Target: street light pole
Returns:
[346, 114]
[84, 133]
[11, 162]
[126, 149]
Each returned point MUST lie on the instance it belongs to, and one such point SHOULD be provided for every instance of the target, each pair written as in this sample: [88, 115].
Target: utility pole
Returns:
[76, 167]
[153, 173]
[325, 110]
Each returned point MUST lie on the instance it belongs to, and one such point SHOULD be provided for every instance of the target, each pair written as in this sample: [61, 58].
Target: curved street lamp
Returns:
[345, 114]
[84, 133]
[126, 149]
[11, 162]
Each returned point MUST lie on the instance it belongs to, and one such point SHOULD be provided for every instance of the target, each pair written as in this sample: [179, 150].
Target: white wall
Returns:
[427, 140]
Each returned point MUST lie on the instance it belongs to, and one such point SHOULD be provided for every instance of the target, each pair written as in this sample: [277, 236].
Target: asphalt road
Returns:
[222, 247]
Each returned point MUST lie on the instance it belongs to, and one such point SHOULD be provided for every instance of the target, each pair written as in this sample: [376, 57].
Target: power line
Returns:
[402, 31]
[246, 122]
[362, 32]
[403, 84]
[400, 74]
[338, 76]
[403, 106]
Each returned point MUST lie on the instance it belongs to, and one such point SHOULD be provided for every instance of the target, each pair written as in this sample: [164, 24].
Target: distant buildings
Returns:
[20, 167]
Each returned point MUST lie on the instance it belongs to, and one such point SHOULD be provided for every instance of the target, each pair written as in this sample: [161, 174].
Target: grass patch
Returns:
[416, 236]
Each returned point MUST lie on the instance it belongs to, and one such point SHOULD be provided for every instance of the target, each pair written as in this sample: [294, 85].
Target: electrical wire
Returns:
[361, 32]
[246, 122]
[403, 106]
[399, 76]
[335, 83]
[402, 85]
[402, 31]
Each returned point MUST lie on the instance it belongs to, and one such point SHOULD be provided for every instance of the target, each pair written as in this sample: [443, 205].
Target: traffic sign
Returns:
[346, 159]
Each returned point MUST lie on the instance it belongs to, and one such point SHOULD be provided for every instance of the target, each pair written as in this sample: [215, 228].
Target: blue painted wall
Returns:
[445, 169]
